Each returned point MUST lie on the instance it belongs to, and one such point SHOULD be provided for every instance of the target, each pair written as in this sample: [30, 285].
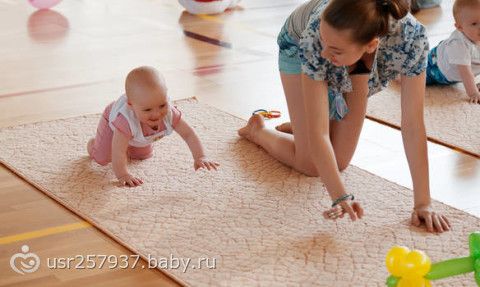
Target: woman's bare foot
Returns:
[255, 123]
[285, 128]
[90, 146]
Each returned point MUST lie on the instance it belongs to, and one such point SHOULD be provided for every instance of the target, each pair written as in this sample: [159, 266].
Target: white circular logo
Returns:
[25, 262]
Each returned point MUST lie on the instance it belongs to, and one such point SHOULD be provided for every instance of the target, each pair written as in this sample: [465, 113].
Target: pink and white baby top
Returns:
[122, 118]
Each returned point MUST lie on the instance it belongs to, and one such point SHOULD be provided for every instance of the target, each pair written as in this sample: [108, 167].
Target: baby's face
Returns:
[470, 23]
[150, 105]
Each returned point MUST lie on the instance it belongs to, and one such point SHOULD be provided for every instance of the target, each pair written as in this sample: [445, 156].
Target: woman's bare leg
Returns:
[285, 127]
[344, 134]
[291, 150]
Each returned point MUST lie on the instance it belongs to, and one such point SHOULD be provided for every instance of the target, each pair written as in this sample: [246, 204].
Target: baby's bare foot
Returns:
[255, 123]
[285, 128]
[90, 147]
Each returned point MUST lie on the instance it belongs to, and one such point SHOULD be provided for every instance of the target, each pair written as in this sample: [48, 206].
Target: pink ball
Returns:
[44, 4]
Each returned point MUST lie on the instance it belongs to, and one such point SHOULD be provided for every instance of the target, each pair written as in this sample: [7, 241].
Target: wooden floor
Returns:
[72, 61]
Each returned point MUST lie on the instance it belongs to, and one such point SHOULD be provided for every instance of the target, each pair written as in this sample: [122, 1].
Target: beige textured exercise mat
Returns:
[257, 221]
[449, 118]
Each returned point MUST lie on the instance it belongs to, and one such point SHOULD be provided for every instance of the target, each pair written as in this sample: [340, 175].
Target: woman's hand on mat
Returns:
[204, 162]
[353, 208]
[130, 180]
[434, 222]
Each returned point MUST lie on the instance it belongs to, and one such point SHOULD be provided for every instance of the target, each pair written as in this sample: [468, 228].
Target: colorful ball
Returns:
[44, 4]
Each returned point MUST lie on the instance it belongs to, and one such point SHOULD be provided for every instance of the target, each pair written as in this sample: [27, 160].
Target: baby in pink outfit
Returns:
[131, 124]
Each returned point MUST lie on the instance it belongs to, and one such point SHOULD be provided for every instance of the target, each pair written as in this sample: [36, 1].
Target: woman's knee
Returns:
[342, 164]
[307, 168]
[310, 170]
[311, 173]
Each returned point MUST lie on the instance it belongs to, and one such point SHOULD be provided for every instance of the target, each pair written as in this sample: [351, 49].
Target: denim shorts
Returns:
[288, 57]
[434, 75]
[289, 63]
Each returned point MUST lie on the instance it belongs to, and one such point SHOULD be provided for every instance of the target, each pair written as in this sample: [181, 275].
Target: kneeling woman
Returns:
[333, 55]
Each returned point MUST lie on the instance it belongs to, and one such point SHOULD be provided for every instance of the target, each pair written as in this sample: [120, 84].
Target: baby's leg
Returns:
[100, 147]
[140, 152]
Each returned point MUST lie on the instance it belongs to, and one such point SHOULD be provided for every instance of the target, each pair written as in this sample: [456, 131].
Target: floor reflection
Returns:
[47, 26]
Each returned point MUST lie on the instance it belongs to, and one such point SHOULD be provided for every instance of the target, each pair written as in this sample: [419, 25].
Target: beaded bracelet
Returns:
[342, 198]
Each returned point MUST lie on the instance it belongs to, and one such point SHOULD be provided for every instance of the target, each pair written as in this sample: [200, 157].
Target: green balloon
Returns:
[392, 281]
[450, 268]
[474, 240]
[454, 266]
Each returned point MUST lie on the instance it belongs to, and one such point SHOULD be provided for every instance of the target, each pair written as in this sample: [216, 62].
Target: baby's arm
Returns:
[120, 160]
[193, 142]
[468, 80]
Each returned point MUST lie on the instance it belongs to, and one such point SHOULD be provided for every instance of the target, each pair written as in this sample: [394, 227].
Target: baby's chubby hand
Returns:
[203, 162]
[475, 98]
[130, 180]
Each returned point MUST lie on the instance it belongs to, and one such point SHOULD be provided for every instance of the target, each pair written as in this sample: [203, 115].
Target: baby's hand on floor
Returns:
[475, 98]
[203, 162]
[130, 180]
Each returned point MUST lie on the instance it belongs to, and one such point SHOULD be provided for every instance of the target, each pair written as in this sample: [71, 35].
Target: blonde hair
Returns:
[462, 4]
